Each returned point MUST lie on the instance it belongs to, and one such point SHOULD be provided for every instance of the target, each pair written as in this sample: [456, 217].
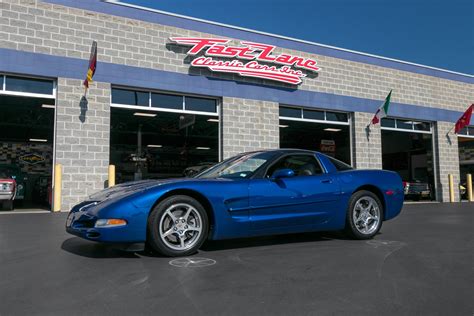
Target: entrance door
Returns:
[298, 203]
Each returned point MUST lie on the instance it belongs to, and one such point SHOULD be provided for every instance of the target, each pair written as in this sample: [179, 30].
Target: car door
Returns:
[297, 203]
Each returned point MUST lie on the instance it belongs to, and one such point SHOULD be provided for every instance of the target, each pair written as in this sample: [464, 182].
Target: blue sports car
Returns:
[258, 193]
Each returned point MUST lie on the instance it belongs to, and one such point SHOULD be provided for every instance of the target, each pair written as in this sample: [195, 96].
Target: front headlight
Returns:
[110, 222]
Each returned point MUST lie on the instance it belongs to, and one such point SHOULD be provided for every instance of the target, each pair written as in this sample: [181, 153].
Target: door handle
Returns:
[326, 181]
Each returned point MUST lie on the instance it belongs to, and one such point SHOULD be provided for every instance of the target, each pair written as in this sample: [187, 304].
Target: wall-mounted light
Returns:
[154, 146]
[203, 148]
[283, 126]
[48, 106]
[213, 120]
[329, 129]
[144, 114]
[40, 140]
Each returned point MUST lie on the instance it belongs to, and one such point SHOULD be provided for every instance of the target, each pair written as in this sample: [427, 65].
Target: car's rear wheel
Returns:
[364, 215]
[177, 226]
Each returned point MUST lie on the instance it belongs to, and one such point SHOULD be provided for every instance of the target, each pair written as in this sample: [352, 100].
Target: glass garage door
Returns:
[407, 148]
[324, 131]
[157, 135]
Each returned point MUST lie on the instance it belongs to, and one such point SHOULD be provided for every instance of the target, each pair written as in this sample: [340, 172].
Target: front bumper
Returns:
[6, 196]
[82, 218]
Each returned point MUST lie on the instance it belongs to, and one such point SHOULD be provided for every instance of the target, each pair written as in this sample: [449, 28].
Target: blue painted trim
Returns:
[34, 64]
[160, 18]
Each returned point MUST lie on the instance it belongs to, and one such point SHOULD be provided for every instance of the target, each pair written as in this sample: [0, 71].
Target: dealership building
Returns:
[172, 95]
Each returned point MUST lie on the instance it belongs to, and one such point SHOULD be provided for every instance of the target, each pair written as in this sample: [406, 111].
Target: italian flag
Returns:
[383, 110]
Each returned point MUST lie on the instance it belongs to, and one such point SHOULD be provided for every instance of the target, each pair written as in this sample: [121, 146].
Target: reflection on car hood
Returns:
[127, 188]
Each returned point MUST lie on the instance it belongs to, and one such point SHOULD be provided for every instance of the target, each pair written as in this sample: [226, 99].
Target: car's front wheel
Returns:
[8, 205]
[177, 226]
[364, 215]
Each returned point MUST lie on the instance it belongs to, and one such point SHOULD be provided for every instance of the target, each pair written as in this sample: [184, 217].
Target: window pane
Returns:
[404, 124]
[388, 122]
[313, 115]
[29, 85]
[334, 116]
[422, 126]
[200, 104]
[129, 97]
[464, 131]
[302, 165]
[340, 166]
[290, 112]
[167, 101]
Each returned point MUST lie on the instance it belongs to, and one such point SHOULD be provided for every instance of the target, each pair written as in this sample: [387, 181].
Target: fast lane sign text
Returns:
[245, 59]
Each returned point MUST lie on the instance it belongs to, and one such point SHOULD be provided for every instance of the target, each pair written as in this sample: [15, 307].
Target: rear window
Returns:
[340, 166]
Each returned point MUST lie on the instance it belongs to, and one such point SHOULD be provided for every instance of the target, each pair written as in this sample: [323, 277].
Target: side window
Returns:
[302, 165]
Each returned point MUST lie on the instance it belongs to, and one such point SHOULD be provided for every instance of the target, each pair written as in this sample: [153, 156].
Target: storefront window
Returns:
[200, 104]
[313, 114]
[130, 97]
[335, 116]
[29, 85]
[167, 101]
[290, 112]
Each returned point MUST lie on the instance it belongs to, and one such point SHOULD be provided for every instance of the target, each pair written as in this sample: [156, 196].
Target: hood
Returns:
[125, 189]
[129, 188]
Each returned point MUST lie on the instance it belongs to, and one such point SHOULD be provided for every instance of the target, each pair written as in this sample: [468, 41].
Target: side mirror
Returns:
[283, 173]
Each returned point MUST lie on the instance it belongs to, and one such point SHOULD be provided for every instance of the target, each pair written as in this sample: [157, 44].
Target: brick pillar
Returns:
[249, 125]
[447, 160]
[82, 138]
[367, 146]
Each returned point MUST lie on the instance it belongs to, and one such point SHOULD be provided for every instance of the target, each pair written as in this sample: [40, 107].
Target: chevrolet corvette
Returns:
[252, 194]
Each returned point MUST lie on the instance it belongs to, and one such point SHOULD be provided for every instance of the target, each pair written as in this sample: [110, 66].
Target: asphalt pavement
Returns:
[420, 264]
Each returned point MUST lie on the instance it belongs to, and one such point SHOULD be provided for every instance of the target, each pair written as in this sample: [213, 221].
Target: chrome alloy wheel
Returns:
[180, 226]
[366, 215]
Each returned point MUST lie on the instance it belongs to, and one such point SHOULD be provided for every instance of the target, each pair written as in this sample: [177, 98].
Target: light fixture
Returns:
[154, 146]
[213, 120]
[38, 140]
[329, 129]
[144, 114]
[48, 106]
[283, 126]
[203, 148]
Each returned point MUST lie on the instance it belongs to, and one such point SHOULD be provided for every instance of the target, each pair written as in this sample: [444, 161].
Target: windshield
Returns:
[241, 167]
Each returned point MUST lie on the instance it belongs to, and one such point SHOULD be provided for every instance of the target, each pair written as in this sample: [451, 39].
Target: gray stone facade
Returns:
[248, 125]
[82, 141]
[447, 160]
[82, 138]
[367, 142]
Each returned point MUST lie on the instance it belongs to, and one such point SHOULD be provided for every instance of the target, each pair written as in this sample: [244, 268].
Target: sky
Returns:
[438, 33]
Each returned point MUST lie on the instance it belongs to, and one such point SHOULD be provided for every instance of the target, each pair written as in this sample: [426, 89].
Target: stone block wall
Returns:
[446, 145]
[82, 138]
[367, 144]
[37, 26]
[248, 125]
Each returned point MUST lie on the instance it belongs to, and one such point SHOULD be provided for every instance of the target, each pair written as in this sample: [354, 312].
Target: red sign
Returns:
[328, 147]
[245, 59]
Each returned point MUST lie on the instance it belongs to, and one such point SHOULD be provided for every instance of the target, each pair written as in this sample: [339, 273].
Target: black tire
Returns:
[8, 205]
[154, 239]
[351, 228]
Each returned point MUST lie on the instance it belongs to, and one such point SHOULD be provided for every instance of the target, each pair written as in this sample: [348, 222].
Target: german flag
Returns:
[92, 65]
